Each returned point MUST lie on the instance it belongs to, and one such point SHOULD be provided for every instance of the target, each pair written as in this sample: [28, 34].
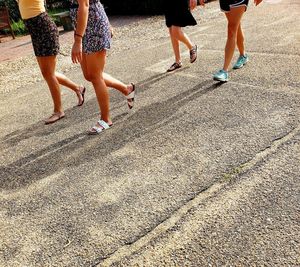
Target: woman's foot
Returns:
[193, 54]
[175, 66]
[80, 94]
[242, 60]
[99, 127]
[221, 76]
[55, 117]
[131, 95]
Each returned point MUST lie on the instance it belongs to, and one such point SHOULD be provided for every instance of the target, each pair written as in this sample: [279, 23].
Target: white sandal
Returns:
[130, 97]
[99, 127]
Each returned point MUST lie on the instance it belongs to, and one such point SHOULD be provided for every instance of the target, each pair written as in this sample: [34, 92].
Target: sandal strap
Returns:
[103, 124]
[97, 129]
[131, 95]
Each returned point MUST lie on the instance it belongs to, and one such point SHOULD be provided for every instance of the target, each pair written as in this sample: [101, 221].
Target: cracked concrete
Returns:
[199, 174]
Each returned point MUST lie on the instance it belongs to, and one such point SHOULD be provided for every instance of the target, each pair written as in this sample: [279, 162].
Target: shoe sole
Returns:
[220, 80]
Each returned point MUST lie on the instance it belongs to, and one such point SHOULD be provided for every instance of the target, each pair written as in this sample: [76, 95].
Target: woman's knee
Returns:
[48, 74]
[93, 78]
[232, 29]
[88, 77]
[177, 32]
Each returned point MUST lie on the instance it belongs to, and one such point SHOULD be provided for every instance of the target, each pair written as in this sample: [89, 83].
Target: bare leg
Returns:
[47, 66]
[175, 45]
[234, 18]
[114, 83]
[65, 81]
[92, 67]
[181, 36]
[240, 41]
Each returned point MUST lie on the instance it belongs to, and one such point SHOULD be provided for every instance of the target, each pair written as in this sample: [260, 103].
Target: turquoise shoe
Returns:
[242, 60]
[221, 76]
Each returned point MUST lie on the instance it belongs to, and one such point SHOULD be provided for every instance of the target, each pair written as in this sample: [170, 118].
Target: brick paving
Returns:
[11, 49]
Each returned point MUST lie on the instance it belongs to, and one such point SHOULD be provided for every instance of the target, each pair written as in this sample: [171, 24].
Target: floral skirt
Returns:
[44, 35]
[97, 35]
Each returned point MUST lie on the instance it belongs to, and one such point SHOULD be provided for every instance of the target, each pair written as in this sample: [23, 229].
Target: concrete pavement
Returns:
[199, 174]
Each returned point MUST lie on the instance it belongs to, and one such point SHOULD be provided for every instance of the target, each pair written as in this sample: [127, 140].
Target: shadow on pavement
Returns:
[51, 159]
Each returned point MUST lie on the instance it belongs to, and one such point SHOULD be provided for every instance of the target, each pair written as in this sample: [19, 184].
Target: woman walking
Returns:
[92, 38]
[178, 14]
[44, 36]
[234, 11]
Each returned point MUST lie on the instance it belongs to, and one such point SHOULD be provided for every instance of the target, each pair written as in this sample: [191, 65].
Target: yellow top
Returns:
[31, 8]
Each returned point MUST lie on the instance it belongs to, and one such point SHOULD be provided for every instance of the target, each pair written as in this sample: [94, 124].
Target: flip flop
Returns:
[55, 117]
[174, 66]
[82, 94]
[130, 97]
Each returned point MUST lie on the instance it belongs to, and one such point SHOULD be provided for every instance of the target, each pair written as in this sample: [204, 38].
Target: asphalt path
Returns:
[199, 174]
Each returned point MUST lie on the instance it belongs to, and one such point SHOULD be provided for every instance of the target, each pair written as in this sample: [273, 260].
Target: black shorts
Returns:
[226, 5]
[44, 35]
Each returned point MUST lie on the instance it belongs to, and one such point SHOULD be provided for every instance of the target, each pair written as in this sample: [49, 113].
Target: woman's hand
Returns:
[201, 2]
[77, 50]
[257, 2]
[193, 4]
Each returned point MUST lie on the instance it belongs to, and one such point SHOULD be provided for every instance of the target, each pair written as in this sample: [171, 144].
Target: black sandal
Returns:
[82, 94]
[175, 66]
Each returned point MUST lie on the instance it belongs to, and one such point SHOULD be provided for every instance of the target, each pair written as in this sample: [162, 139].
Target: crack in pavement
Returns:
[209, 191]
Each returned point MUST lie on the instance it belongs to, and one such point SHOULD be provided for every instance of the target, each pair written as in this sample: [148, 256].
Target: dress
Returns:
[177, 13]
[97, 35]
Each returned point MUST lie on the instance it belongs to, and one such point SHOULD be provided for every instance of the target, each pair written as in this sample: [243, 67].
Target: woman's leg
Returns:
[47, 66]
[179, 35]
[175, 44]
[65, 81]
[240, 40]
[92, 66]
[114, 83]
[234, 18]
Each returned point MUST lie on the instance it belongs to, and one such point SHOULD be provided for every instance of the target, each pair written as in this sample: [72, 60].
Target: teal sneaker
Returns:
[221, 76]
[242, 60]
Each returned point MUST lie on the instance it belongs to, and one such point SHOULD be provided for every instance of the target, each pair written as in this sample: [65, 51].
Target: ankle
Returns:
[129, 89]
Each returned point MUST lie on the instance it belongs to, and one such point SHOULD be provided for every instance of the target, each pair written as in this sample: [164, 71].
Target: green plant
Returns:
[19, 27]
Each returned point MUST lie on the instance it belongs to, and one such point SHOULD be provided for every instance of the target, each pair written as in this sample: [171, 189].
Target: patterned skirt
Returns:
[44, 35]
[97, 35]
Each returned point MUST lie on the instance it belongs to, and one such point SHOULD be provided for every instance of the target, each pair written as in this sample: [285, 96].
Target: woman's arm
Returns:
[82, 18]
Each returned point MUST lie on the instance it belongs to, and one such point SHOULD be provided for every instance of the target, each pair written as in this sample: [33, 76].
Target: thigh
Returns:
[93, 63]
[235, 15]
[47, 64]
